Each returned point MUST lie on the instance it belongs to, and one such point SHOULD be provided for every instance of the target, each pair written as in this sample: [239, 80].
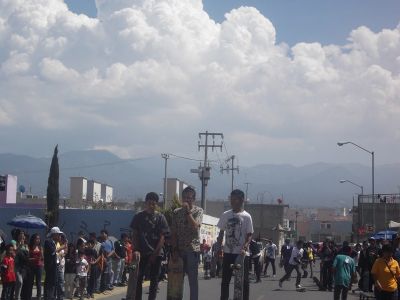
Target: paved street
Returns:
[267, 289]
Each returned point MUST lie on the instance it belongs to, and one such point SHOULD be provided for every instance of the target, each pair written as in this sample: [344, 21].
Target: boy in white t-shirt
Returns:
[294, 264]
[237, 226]
[82, 268]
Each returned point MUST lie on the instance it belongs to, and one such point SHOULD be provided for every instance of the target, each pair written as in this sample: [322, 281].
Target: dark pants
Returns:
[94, 269]
[289, 273]
[327, 278]
[8, 291]
[383, 295]
[35, 275]
[257, 267]
[50, 283]
[269, 260]
[154, 274]
[340, 290]
[228, 260]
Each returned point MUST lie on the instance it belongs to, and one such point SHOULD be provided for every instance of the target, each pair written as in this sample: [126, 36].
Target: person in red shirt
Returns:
[128, 259]
[36, 262]
[8, 274]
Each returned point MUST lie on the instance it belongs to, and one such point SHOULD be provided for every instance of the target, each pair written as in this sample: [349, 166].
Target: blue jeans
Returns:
[191, 268]
[109, 273]
[60, 283]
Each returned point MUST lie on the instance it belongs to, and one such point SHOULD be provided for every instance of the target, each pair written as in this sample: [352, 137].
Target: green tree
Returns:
[53, 194]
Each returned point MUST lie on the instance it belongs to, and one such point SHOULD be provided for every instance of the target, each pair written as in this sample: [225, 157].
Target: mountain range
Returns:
[313, 185]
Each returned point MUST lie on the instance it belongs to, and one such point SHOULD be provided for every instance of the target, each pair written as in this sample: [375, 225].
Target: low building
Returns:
[8, 190]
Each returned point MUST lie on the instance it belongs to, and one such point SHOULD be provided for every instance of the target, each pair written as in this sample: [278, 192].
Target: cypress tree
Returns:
[53, 194]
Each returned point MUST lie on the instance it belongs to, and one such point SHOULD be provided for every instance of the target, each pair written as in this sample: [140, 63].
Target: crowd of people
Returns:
[91, 264]
[94, 263]
[370, 267]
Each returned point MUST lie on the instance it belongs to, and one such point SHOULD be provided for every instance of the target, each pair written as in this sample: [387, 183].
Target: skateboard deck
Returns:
[238, 271]
[132, 280]
[302, 290]
[175, 279]
[317, 282]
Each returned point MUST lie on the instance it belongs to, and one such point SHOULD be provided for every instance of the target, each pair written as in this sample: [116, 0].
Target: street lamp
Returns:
[373, 173]
[373, 163]
[349, 181]
[362, 193]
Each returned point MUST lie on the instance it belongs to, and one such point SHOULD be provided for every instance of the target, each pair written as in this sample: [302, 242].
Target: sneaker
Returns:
[298, 286]
[273, 276]
[280, 284]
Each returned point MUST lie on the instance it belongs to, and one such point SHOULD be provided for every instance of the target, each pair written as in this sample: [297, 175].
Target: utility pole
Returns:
[165, 156]
[231, 168]
[205, 170]
[247, 189]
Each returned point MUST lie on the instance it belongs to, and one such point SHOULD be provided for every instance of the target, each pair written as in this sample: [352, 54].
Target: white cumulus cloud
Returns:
[146, 76]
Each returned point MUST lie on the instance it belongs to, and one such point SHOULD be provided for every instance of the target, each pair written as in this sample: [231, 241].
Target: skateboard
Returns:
[302, 290]
[175, 279]
[317, 282]
[238, 270]
[133, 269]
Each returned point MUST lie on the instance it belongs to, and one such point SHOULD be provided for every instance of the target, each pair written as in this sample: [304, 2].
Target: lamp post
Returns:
[349, 181]
[373, 174]
[360, 218]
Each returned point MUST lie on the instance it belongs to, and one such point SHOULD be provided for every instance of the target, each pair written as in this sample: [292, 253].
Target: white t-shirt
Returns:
[82, 267]
[236, 227]
[296, 253]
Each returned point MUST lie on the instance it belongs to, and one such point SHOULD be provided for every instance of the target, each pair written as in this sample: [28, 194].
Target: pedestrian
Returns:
[149, 228]
[99, 266]
[343, 269]
[70, 271]
[82, 267]
[309, 258]
[50, 263]
[367, 260]
[328, 253]
[61, 247]
[185, 238]
[270, 257]
[21, 266]
[286, 253]
[8, 276]
[107, 250]
[92, 258]
[237, 226]
[216, 252]
[36, 263]
[294, 264]
[255, 253]
[128, 259]
[386, 273]
[204, 248]
[119, 259]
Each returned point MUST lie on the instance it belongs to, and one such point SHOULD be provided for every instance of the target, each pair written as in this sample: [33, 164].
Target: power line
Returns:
[90, 166]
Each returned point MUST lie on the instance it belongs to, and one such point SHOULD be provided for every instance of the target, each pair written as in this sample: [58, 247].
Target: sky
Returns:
[283, 80]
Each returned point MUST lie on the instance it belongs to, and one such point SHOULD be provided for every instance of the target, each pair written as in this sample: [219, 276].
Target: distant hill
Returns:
[310, 185]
